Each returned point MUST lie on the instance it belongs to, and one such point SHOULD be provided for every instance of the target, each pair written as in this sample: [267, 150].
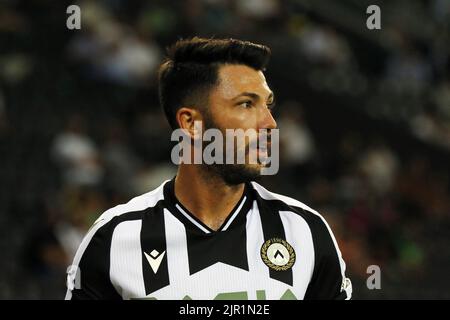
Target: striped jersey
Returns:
[269, 247]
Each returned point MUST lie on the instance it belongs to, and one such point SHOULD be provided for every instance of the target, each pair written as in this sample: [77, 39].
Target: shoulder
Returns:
[103, 228]
[290, 205]
[131, 210]
[293, 208]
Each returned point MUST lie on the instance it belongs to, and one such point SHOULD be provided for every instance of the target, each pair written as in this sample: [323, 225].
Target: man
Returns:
[211, 232]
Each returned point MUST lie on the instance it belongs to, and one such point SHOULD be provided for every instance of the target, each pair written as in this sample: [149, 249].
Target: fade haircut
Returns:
[191, 67]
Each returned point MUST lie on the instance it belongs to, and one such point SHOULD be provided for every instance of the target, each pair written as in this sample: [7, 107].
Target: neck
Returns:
[207, 197]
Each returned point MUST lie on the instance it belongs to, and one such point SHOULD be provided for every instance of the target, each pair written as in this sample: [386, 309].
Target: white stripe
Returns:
[177, 254]
[192, 219]
[255, 239]
[234, 214]
[139, 203]
[298, 235]
[126, 259]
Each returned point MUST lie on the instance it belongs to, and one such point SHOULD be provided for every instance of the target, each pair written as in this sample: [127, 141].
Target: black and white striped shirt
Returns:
[270, 247]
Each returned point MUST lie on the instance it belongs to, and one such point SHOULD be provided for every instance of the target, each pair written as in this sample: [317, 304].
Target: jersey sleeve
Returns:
[328, 281]
[88, 276]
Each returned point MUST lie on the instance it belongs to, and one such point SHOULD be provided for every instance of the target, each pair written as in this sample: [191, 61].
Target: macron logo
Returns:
[154, 259]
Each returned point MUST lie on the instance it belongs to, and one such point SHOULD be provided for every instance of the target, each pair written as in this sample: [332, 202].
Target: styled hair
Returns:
[191, 67]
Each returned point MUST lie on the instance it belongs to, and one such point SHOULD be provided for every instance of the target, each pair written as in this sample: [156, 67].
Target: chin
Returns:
[238, 174]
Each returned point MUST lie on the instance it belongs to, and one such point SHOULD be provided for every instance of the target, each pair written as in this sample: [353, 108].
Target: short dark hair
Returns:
[191, 69]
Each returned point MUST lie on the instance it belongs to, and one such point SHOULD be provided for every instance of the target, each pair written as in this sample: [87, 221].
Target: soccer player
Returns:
[211, 232]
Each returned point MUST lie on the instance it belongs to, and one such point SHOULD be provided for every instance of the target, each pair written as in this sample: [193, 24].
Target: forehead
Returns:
[235, 79]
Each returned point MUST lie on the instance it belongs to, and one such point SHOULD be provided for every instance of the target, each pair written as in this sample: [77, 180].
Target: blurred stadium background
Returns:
[364, 118]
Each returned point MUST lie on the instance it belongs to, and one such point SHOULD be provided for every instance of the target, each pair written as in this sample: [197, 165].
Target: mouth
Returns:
[265, 148]
[261, 151]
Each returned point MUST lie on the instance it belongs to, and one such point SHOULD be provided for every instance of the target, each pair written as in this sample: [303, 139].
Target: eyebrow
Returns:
[254, 95]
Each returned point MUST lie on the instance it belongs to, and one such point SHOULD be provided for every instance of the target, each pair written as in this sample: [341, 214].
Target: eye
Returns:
[271, 106]
[246, 104]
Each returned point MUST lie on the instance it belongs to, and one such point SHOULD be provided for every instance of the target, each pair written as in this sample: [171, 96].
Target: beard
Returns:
[231, 174]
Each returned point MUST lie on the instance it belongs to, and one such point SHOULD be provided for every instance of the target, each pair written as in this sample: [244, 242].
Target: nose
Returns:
[267, 120]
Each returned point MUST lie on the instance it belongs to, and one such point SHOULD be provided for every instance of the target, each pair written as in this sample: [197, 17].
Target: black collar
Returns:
[236, 216]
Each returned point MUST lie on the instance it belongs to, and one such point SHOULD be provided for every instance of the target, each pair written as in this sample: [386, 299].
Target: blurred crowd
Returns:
[364, 118]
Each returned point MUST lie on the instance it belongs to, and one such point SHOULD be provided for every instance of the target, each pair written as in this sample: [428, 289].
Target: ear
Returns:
[186, 118]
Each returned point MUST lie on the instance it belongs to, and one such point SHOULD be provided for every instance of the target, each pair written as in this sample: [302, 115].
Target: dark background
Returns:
[364, 118]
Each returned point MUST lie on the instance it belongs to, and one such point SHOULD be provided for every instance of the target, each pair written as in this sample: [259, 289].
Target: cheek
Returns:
[235, 117]
[245, 119]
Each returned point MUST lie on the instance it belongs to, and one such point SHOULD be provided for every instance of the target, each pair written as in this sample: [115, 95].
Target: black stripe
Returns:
[206, 249]
[273, 228]
[153, 237]
[228, 247]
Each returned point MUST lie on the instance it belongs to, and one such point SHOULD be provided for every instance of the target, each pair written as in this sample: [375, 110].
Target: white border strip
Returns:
[192, 219]
[234, 214]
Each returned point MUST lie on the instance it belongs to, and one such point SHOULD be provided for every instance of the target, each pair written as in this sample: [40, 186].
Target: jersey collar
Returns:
[236, 216]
